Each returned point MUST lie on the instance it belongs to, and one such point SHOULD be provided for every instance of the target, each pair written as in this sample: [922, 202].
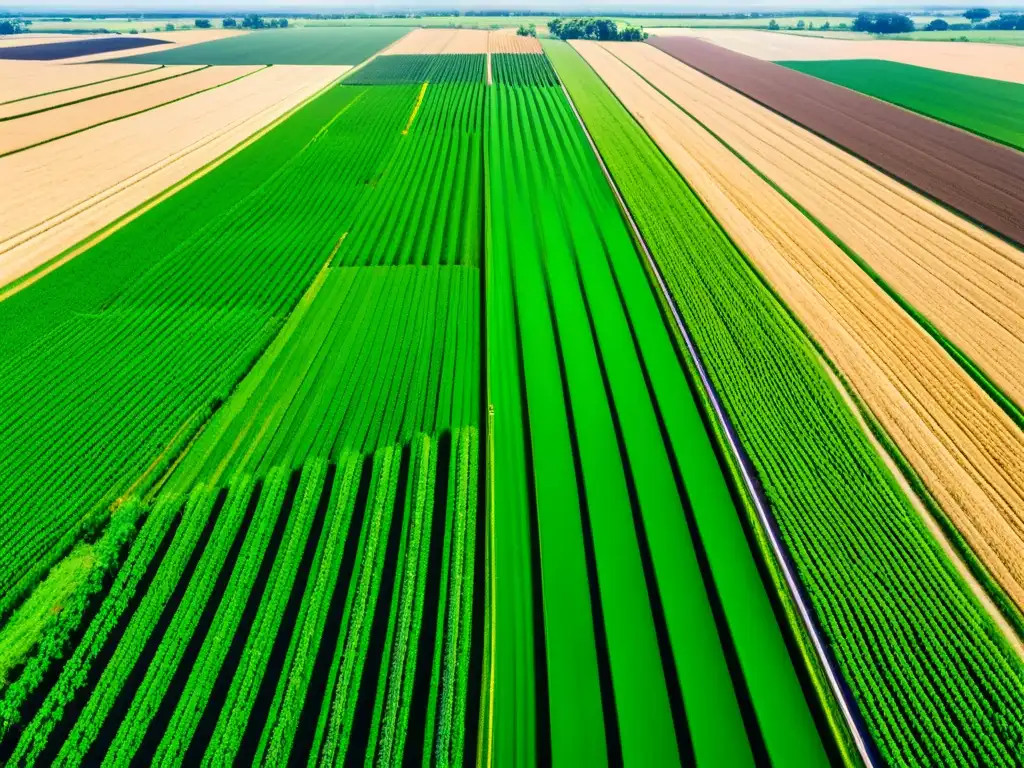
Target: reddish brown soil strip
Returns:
[981, 179]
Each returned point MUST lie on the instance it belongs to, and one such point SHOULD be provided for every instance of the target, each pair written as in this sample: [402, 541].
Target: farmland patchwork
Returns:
[392, 434]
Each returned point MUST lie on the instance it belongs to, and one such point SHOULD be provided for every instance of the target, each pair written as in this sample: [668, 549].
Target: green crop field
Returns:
[871, 567]
[598, 375]
[990, 108]
[377, 442]
[280, 46]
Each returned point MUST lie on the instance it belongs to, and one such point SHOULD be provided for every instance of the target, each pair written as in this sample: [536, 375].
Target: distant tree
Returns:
[827, 25]
[843, 25]
[632, 34]
[773, 24]
[202, 23]
[863, 22]
[977, 14]
[892, 23]
[527, 31]
[229, 22]
[593, 29]
[10, 27]
[169, 28]
[282, 23]
[133, 31]
[253, 21]
[272, 24]
[937, 25]
[800, 24]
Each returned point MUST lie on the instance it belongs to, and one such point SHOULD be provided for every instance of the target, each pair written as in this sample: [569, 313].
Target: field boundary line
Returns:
[83, 85]
[973, 370]
[24, 236]
[133, 114]
[1008, 609]
[840, 690]
[416, 107]
[102, 234]
[108, 93]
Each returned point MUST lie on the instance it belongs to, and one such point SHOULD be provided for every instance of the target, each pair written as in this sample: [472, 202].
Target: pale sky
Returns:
[661, 6]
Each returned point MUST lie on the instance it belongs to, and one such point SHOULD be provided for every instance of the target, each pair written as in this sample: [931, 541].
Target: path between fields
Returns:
[986, 601]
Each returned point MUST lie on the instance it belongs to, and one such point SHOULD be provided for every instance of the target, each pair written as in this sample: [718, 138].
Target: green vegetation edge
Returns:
[841, 737]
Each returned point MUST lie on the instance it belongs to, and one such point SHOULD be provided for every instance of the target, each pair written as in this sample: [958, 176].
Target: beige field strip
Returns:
[507, 41]
[49, 101]
[23, 79]
[12, 41]
[34, 129]
[421, 41]
[1000, 62]
[57, 194]
[964, 448]
[968, 283]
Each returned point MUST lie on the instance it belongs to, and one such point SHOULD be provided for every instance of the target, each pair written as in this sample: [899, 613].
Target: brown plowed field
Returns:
[968, 283]
[965, 449]
[33, 129]
[70, 49]
[57, 194]
[980, 178]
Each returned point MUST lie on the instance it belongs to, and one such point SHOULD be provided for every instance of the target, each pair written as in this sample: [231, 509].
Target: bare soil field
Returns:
[70, 49]
[25, 79]
[440, 41]
[1000, 62]
[965, 449]
[34, 129]
[62, 192]
[9, 41]
[106, 86]
[980, 178]
[967, 282]
[507, 41]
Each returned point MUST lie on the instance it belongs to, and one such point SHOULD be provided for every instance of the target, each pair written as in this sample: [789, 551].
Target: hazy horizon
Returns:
[332, 6]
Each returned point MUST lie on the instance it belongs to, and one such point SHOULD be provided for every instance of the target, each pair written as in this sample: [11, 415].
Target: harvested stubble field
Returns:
[105, 86]
[71, 49]
[990, 108]
[35, 129]
[507, 41]
[436, 41]
[965, 449]
[982, 179]
[871, 566]
[26, 79]
[61, 192]
[967, 283]
[1000, 62]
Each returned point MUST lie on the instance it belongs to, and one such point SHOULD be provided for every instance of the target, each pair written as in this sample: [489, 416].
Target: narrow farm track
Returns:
[875, 576]
[969, 174]
[594, 487]
[968, 284]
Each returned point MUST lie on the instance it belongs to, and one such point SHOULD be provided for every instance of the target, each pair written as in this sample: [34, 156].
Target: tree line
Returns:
[584, 28]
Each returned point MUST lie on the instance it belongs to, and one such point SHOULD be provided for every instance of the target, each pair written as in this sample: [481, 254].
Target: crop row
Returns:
[404, 69]
[522, 69]
[626, 499]
[87, 397]
[891, 605]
